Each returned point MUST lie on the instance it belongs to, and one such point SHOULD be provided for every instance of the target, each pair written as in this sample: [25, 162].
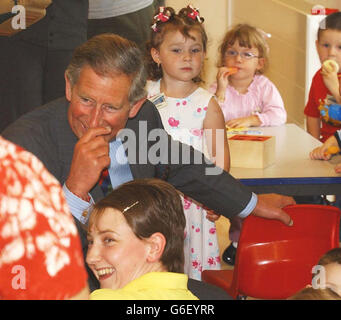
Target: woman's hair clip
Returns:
[162, 16]
[129, 207]
[194, 13]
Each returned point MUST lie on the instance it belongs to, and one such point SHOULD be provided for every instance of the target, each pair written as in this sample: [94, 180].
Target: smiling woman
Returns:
[136, 237]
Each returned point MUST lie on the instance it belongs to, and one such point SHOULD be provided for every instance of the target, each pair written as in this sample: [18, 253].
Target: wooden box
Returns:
[251, 151]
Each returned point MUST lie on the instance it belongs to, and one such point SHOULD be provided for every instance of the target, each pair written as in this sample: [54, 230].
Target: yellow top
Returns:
[150, 286]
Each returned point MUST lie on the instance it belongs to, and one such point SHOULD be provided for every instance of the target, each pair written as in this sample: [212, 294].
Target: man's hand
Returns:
[269, 207]
[90, 157]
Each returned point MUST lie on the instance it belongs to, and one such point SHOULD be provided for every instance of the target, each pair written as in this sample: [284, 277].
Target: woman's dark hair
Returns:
[150, 206]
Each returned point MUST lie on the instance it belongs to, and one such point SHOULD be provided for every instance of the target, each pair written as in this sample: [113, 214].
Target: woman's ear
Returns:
[157, 243]
[155, 55]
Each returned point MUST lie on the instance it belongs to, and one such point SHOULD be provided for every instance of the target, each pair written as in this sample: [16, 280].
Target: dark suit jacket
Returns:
[46, 133]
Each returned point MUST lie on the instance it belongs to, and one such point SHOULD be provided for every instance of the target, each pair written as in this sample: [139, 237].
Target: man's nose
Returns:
[95, 117]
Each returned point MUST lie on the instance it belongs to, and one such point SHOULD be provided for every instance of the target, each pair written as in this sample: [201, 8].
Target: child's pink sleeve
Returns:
[272, 112]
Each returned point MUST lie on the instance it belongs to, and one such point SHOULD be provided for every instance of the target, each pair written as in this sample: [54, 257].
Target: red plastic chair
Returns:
[274, 261]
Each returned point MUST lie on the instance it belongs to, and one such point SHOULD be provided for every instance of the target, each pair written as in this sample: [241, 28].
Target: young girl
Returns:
[189, 114]
[246, 97]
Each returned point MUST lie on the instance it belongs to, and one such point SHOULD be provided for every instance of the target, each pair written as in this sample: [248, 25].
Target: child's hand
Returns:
[223, 75]
[338, 168]
[325, 151]
[320, 153]
[251, 121]
[330, 79]
[223, 81]
[211, 215]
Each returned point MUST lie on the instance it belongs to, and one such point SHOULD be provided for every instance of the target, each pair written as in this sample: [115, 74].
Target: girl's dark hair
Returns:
[150, 206]
[331, 22]
[177, 22]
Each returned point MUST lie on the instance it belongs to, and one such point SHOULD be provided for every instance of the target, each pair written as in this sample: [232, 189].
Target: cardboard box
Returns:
[251, 151]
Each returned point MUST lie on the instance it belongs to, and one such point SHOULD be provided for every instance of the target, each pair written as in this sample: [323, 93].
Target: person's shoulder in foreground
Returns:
[40, 253]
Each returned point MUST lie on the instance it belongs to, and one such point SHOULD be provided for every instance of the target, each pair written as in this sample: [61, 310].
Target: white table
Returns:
[293, 172]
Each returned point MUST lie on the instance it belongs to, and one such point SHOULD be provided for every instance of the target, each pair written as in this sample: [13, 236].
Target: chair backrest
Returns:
[275, 261]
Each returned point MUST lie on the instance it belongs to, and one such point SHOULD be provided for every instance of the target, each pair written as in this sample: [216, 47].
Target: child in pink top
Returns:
[246, 97]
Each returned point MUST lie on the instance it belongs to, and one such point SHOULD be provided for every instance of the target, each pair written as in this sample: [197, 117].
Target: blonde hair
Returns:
[248, 37]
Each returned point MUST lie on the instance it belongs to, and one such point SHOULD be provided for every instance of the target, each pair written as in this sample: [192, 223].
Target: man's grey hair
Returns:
[109, 55]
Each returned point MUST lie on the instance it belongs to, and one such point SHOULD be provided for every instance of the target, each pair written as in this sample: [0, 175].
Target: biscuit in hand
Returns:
[330, 65]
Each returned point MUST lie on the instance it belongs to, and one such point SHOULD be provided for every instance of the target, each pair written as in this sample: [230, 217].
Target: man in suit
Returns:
[80, 136]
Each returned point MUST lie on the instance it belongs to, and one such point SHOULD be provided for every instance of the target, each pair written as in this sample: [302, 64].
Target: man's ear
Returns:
[156, 243]
[136, 107]
[155, 55]
[68, 88]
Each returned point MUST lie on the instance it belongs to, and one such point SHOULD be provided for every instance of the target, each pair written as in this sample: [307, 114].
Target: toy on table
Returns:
[241, 130]
[332, 150]
[331, 113]
[252, 151]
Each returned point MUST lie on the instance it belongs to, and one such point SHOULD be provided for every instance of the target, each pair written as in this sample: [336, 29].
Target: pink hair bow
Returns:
[194, 13]
[161, 16]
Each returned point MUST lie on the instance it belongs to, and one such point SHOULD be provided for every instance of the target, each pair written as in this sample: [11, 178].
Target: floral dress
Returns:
[183, 120]
[40, 250]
